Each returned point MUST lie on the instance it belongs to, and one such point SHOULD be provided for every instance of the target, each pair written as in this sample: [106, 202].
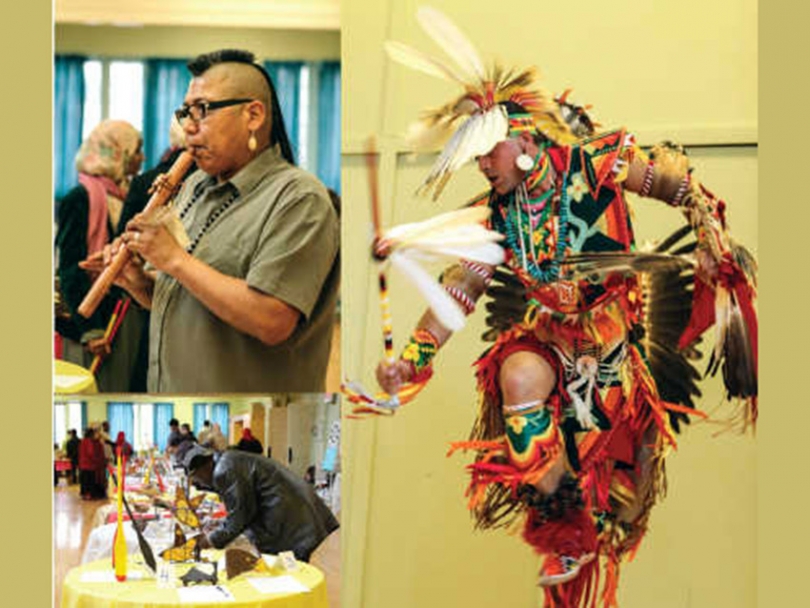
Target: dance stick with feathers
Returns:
[355, 393]
[448, 236]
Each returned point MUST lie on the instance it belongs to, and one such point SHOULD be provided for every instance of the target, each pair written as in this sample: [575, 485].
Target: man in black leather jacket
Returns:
[276, 509]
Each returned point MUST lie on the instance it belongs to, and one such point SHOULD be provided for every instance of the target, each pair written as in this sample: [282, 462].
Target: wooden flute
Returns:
[161, 196]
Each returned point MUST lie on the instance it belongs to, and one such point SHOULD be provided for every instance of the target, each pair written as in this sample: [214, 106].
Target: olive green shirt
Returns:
[281, 235]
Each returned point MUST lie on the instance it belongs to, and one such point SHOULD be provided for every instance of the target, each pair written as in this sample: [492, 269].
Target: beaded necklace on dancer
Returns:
[528, 220]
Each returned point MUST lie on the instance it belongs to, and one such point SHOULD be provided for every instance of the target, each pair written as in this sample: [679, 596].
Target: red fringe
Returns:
[485, 472]
[574, 535]
[611, 582]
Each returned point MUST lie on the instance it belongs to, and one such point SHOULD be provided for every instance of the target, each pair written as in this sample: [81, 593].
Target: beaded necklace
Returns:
[519, 224]
[211, 218]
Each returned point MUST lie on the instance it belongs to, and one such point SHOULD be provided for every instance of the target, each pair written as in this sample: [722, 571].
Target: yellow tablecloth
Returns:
[72, 379]
[144, 593]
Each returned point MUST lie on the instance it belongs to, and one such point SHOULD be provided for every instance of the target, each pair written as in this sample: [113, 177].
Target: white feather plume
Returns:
[443, 306]
[439, 226]
[475, 137]
[453, 42]
[455, 234]
[486, 253]
[422, 62]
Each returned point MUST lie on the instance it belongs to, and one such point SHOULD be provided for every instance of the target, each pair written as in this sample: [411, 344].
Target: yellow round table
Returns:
[72, 379]
[93, 585]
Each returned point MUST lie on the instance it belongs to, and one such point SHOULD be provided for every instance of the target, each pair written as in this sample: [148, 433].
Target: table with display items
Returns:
[93, 585]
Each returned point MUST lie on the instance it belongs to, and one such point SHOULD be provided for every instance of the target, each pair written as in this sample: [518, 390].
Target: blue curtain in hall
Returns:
[162, 414]
[286, 77]
[121, 417]
[328, 149]
[214, 413]
[220, 414]
[165, 84]
[200, 416]
[68, 110]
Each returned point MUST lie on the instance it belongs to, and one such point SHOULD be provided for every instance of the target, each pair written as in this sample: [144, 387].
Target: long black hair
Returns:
[278, 133]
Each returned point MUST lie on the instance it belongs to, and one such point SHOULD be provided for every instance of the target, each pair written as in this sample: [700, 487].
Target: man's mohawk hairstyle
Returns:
[202, 63]
[278, 134]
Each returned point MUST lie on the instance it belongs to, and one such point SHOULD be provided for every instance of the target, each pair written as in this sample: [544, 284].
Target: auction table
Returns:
[93, 585]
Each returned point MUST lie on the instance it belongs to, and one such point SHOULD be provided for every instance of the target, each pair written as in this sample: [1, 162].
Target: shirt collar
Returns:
[251, 174]
[248, 176]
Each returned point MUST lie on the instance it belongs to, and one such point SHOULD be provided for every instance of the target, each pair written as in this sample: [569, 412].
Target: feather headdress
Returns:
[473, 123]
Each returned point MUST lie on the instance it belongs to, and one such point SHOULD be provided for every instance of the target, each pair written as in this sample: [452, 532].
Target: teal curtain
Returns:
[213, 412]
[84, 420]
[286, 76]
[162, 413]
[121, 417]
[68, 110]
[165, 84]
[328, 149]
[200, 416]
[220, 413]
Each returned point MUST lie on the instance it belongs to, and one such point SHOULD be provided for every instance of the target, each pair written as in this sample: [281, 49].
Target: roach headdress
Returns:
[496, 103]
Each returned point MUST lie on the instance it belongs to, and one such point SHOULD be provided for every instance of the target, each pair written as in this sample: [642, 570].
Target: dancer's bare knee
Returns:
[526, 376]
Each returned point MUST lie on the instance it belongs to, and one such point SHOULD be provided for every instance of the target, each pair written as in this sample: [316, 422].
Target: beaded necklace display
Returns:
[525, 221]
[211, 218]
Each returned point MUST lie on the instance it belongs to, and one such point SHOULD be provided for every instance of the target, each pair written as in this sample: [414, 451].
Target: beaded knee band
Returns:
[518, 408]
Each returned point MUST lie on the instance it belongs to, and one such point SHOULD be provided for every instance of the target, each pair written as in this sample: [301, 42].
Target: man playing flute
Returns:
[248, 305]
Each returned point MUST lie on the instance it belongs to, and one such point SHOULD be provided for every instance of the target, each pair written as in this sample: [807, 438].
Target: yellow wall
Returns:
[184, 42]
[685, 70]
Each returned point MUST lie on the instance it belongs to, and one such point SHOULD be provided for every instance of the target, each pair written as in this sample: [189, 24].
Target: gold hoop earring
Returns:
[252, 144]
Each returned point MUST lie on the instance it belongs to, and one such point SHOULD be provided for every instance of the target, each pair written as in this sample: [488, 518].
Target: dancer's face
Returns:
[499, 164]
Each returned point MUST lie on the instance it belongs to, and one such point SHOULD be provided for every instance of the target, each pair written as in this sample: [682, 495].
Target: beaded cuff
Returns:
[478, 269]
[460, 296]
[421, 349]
[648, 179]
[676, 200]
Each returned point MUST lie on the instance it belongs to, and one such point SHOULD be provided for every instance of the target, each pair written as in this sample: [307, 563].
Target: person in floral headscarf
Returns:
[88, 217]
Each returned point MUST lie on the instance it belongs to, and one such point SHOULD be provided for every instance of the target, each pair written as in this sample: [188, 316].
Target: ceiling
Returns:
[272, 14]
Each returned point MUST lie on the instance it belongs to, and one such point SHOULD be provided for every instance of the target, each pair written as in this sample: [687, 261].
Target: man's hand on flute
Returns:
[148, 236]
[133, 277]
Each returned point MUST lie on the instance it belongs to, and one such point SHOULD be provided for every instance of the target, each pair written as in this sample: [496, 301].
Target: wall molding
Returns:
[275, 14]
[744, 134]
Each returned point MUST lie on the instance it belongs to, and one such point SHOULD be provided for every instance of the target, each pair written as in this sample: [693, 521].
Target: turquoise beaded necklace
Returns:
[517, 225]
